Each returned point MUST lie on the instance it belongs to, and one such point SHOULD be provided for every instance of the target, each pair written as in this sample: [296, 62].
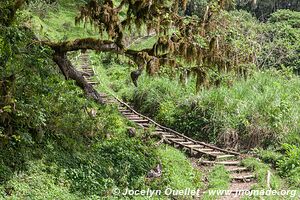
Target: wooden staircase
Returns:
[208, 154]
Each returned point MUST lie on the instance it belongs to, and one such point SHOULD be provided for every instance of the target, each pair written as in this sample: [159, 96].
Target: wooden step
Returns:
[134, 117]
[169, 136]
[125, 111]
[237, 169]
[139, 120]
[242, 177]
[161, 132]
[177, 139]
[144, 124]
[207, 149]
[165, 134]
[214, 152]
[194, 146]
[228, 163]
[225, 156]
[130, 115]
[186, 143]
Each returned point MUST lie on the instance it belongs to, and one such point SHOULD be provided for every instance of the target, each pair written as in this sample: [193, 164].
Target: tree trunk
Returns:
[70, 72]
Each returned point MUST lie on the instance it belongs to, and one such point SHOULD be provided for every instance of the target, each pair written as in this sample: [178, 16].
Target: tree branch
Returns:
[70, 72]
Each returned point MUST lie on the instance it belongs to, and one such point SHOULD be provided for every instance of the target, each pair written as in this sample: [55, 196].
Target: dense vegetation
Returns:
[236, 84]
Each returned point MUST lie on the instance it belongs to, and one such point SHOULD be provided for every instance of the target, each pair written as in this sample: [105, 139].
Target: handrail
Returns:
[171, 130]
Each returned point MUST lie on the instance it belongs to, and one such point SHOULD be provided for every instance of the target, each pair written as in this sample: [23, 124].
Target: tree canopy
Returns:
[184, 43]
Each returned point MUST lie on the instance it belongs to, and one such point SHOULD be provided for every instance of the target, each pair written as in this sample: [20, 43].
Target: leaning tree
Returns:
[184, 43]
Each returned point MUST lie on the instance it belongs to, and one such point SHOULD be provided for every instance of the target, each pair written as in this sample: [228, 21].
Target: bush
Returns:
[177, 171]
[290, 163]
[280, 41]
[121, 163]
[257, 112]
[286, 16]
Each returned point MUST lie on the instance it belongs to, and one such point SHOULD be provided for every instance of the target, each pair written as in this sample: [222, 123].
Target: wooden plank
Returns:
[225, 156]
[216, 152]
[207, 149]
[217, 148]
[229, 163]
[177, 139]
[130, 115]
[186, 143]
[125, 111]
[134, 119]
[144, 124]
[169, 136]
[162, 133]
[194, 146]
[247, 177]
[203, 152]
[237, 169]
[139, 120]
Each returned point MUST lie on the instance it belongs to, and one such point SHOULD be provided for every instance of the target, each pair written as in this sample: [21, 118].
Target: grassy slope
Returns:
[263, 106]
[69, 166]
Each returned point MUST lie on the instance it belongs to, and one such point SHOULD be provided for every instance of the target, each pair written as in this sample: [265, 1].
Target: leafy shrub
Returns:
[287, 16]
[290, 163]
[280, 41]
[270, 156]
[118, 163]
[258, 111]
[177, 171]
[261, 171]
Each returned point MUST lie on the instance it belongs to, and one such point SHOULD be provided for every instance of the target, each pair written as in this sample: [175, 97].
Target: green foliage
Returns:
[289, 165]
[116, 163]
[261, 171]
[35, 184]
[51, 23]
[196, 7]
[270, 156]
[287, 16]
[280, 41]
[177, 171]
[218, 179]
[260, 107]
[262, 9]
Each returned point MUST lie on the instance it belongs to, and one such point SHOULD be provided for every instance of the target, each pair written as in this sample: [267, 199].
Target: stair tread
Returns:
[169, 135]
[186, 143]
[215, 152]
[126, 111]
[230, 163]
[206, 149]
[242, 176]
[177, 139]
[131, 114]
[236, 169]
[225, 156]
[194, 146]
[138, 120]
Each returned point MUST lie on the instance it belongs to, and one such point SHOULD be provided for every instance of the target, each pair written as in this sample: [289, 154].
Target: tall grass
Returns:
[259, 111]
